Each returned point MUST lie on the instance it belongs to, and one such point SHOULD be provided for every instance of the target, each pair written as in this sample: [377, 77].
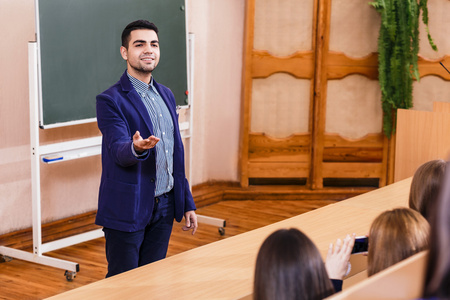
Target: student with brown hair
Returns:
[395, 235]
[289, 266]
[437, 279]
[425, 186]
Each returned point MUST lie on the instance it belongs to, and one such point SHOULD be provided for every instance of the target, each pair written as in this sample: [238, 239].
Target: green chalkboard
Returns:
[79, 41]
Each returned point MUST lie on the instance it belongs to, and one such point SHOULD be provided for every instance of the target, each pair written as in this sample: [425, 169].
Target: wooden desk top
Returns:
[224, 269]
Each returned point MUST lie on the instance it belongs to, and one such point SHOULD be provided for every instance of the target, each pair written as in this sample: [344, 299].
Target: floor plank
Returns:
[25, 280]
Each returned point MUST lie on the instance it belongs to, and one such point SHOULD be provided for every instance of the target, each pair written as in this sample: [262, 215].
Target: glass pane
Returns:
[429, 90]
[353, 107]
[355, 34]
[280, 105]
[283, 27]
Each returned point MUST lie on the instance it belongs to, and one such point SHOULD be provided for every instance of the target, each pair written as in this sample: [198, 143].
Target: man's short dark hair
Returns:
[139, 24]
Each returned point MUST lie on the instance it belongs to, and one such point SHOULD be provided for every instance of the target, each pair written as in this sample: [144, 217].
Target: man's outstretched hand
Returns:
[140, 144]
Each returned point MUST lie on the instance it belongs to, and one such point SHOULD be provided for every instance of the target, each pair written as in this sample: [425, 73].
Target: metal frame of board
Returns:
[68, 150]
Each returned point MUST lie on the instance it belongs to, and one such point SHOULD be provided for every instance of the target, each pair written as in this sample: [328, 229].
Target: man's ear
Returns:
[124, 52]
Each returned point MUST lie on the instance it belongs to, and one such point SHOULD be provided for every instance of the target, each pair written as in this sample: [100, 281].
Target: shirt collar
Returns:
[140, 86]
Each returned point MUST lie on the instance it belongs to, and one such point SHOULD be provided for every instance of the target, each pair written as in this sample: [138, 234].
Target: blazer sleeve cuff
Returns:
[139, 156]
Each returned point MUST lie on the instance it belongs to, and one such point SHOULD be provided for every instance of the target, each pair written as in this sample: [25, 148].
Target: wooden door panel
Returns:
[295, 148]
[299, 64]
[278, 170]
[352, 170]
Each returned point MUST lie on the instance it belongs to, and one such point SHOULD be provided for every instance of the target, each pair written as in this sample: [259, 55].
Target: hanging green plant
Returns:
[398, 48]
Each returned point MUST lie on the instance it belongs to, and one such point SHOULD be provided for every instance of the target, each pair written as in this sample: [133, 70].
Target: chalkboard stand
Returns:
[67, 150]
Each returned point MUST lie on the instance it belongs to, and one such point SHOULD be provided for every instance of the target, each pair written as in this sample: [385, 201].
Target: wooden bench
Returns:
[401, 281]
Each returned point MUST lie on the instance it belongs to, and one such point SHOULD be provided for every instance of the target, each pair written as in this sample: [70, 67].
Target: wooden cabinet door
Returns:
[293, 128]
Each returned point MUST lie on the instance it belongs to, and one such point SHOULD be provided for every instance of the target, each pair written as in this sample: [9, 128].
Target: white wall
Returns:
[17, 20]
[219, 33]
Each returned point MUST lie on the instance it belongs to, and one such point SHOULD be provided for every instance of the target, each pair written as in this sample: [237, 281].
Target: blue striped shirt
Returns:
[163, 129]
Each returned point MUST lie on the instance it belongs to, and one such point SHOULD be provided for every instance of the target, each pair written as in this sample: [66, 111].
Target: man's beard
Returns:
[143, 69]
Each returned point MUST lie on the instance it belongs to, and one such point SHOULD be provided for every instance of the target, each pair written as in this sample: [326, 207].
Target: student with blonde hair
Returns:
[425, 186]
[394, 236]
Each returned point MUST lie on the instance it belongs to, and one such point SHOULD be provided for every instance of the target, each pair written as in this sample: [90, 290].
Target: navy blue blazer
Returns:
[127, 187]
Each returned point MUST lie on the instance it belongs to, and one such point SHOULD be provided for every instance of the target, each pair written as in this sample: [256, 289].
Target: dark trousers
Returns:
[129, 250]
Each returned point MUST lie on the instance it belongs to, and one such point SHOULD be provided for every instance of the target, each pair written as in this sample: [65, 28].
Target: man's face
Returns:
[142, 55]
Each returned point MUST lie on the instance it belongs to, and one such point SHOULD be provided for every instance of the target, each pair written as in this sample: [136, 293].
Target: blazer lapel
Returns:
[136, 101]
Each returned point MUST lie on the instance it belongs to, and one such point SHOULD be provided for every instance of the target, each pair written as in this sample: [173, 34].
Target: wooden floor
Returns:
[25, 280]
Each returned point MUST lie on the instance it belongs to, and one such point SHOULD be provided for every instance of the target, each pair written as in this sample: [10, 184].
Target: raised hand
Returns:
[338, 257]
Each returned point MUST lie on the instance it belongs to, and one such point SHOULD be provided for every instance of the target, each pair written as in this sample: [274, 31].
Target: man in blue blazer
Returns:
[143, 184]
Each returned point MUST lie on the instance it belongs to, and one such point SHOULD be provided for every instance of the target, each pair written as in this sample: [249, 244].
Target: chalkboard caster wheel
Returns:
[70, 275]
[221, 231]
[220, 223]
[4, 258]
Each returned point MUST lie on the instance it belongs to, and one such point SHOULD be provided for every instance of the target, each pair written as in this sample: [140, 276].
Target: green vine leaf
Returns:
[398, 49]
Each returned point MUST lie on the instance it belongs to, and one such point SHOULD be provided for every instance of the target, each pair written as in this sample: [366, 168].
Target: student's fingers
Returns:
[345, 244]
[338, 245]
[348, 245]
[330, 250]
[352, 241]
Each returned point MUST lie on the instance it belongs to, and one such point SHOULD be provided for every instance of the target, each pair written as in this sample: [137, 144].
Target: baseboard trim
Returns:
[23, 239]
[213, 192]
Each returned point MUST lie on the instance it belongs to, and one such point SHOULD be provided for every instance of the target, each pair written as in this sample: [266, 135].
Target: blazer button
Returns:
[152, 180]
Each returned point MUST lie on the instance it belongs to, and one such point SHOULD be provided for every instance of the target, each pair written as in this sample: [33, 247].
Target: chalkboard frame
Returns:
[66, 110]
